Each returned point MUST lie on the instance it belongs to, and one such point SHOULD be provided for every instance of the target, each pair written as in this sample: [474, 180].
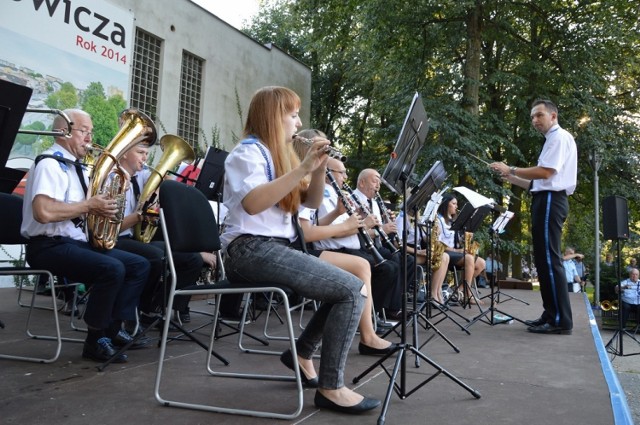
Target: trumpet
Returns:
[329, 150]
[368, 242]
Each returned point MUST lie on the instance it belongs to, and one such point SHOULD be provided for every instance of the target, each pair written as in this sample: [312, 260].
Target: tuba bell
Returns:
[110, 179]
[174, 151]
[607, 305]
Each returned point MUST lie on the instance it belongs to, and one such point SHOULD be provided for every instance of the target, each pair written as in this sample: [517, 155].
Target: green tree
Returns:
[478, 65]
[66, 97]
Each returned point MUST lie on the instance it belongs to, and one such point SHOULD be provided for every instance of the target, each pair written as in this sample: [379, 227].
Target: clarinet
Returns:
[368, 242]
[365, 208]
[386, 218]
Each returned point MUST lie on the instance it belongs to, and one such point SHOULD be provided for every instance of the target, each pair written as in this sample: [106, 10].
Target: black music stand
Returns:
[468, 220]
[428, 218]
[396, 176]
[496, 229]
[14, 100]
[420, 195]
[211, 178]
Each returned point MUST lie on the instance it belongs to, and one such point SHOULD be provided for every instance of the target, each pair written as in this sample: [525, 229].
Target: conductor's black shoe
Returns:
[549, 329]
[365, 405]
[123, 338]
[101, 351]
[365, 350]
[287, 359]
[539, 321]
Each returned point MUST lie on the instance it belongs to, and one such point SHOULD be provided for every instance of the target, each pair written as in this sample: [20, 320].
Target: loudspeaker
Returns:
[615, 218]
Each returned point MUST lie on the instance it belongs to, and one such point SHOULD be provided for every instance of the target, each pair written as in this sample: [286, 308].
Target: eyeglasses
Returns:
[343, 172]
[84, 133]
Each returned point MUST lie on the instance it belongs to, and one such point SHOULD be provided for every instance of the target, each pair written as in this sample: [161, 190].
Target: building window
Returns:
[146, 73]
[190, 94]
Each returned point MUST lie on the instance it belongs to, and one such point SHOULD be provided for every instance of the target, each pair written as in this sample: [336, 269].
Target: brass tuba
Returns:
[174, 151]
[111, 179]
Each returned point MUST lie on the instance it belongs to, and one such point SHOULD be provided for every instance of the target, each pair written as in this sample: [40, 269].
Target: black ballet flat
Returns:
[287, 359]
[365, 350]
[365, 405]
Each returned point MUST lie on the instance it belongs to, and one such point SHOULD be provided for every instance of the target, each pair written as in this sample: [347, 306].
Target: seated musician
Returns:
[188, 264]
[630, 296]
[264, 185]
[56, 204]
[386, 291]
[438, 266]
[367, 196]
[370, 343]
[473, 266]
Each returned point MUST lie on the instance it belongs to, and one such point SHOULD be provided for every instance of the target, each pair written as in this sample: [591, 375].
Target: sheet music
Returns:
[501, 222]
[431, 209]
[474, 198]
[477, 200]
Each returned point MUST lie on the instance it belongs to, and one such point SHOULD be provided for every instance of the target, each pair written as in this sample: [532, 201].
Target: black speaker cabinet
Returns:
[615, 218]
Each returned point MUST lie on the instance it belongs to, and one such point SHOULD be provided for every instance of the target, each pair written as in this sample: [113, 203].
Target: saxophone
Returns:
[437, 247]
[174, 151]
[470, 246]
[109, 178]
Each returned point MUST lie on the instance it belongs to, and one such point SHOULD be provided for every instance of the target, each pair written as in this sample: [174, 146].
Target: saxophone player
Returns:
[55, 207]
[188, 264]
[447, 212]
[439, 265]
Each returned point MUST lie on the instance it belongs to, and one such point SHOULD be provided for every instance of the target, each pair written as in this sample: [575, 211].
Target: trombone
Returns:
[54, 133]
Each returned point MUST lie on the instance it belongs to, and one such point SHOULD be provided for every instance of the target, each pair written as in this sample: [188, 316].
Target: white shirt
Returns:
[57, 180]
[447, 236]
[559, 153]
[248, 166]
[411, 231]
[130, 197]
[329, 203]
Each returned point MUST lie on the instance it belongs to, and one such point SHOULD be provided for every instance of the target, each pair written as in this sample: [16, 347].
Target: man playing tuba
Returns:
[54, 212]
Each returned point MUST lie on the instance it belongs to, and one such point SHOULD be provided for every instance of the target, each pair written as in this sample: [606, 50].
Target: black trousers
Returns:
[384, 281]
[626, 310]
[188, 268]
[116, 277]
[549, 211]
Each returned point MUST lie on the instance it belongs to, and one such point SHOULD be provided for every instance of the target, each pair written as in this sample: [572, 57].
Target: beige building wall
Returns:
[233, 63]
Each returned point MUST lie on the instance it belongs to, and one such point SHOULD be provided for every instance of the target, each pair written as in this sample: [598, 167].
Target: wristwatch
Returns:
[512, 170]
